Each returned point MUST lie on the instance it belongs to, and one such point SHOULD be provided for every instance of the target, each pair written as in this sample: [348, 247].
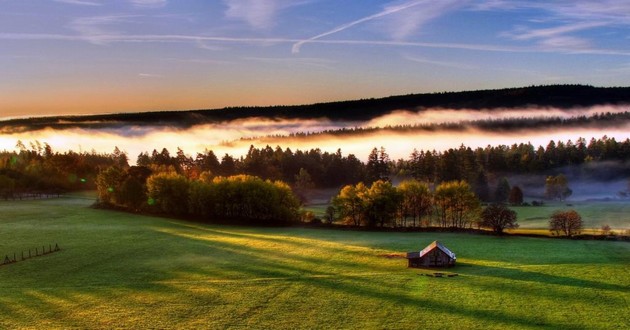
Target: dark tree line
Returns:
[478, 165]
[558, 96]
[599, 120]
[39, 169]
[323, 169]
[36, 170]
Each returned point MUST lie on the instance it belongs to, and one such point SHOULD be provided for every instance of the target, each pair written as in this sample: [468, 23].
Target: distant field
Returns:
[120, 270]
[616, 214]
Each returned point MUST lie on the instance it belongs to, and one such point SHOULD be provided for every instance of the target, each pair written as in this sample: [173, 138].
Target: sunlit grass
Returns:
[120, 270]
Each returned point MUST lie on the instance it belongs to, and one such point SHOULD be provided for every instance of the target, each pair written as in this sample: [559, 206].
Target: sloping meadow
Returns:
[120, 270]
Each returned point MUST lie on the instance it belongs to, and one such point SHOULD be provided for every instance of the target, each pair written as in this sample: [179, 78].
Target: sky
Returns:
[60, 57]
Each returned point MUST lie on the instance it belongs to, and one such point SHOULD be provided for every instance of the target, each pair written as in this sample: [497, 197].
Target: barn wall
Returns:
[436, 258]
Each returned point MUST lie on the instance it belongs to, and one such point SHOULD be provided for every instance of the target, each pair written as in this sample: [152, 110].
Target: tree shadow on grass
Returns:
[372, 287]
[248, 266]
[537, 277]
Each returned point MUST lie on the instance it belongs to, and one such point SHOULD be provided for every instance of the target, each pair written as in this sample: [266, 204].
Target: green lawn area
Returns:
[118, 270]
[616, 214]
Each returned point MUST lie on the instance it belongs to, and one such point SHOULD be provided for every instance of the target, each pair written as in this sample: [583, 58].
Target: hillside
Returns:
[117, 269]
[557, 96]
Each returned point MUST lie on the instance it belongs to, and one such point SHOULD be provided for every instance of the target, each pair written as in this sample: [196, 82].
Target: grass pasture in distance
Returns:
[122, 270]
[594, 214]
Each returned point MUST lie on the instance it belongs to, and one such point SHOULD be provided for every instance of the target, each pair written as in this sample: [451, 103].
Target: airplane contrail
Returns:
[388, 11]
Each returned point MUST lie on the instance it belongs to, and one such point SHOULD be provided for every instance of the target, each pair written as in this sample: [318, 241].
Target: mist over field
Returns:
[236, 136]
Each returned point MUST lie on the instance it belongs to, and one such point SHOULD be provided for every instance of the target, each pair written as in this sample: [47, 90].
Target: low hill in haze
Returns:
[556, 96]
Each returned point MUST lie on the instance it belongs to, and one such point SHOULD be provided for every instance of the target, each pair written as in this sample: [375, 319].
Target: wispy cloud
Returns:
[422, 60]
[258, 14]
[98, 29]
[304, 61]
[556, 37]
[526, 34]
[149, 3]
[80, 2]
[420, 12]
[402, 24]
[204, 45]
[195, 39]
[207, 61]
[149, 75]
[569, 17]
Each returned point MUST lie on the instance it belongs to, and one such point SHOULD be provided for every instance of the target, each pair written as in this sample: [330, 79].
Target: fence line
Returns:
[32, 253]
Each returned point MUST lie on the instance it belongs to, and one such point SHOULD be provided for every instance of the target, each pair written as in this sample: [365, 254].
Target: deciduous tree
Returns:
[557, 187]
[568, 223]
[456, 204]
[416, 200]
[498, 217]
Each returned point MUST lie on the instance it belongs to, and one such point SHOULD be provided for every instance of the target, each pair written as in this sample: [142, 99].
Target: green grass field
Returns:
[616, 214]
[118, 270]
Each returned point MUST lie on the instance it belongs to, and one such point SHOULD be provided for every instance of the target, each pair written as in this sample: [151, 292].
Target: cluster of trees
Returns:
[208, 189]
[479, 165]
[451, 204]
[323, 169]
[240, 198]
[38, 170]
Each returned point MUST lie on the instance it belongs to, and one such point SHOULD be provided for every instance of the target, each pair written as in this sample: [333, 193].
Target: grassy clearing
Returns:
[120, 270]
[616, 214]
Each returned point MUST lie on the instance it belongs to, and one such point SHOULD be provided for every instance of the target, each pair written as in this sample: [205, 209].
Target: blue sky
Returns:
[95, 56]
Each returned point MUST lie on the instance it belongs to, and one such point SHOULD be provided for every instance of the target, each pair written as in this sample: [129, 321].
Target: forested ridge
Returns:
[556, 96]
[598, 120]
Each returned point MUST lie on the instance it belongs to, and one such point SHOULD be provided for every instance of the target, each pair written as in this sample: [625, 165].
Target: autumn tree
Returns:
[132, 193]
[557, 187]
[381, 203]
[456, 204]
[568, 223]
[107, 184]
[416, 201]
[350, 203]
[498, 217]
[168, 193]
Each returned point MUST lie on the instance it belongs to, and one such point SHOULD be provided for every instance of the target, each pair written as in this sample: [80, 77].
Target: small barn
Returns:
[434, 255]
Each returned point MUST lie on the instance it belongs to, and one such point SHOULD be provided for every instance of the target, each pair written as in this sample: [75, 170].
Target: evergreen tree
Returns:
[502, 192]
[516, 196]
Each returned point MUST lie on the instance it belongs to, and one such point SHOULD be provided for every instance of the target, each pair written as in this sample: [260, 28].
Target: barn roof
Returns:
[436, 244]
[413, 255]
